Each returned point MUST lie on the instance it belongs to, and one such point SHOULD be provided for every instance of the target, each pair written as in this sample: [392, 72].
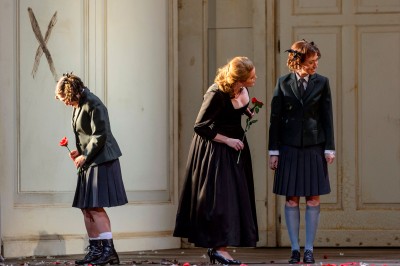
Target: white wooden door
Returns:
[125, 51]
[359, 41]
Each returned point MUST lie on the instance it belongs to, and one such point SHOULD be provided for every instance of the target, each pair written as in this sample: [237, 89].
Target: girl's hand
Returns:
[273, 162]
[80, 161]
[73, 154]
[329, 157]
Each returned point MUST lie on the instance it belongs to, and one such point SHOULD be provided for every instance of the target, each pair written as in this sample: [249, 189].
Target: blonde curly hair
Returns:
[70, 87]
[299, 52]
[237, 69]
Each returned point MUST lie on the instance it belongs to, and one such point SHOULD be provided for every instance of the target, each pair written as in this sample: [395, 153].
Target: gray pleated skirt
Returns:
[100, 186]
[301, 172]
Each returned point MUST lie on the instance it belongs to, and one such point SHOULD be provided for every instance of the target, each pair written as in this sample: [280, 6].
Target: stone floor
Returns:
[249, 256]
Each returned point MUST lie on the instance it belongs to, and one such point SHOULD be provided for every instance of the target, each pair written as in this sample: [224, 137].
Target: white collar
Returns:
[305, 78]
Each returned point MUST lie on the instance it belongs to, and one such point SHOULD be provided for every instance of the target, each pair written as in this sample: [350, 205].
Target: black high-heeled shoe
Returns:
[214, 255]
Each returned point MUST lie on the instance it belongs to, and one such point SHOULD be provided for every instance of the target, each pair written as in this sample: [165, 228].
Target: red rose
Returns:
[64, 142]
[249, 121]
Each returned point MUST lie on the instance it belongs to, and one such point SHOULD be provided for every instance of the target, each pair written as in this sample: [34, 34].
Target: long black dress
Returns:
[217, 204]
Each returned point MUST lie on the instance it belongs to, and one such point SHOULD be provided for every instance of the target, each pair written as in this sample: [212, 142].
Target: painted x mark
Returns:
[42, 43]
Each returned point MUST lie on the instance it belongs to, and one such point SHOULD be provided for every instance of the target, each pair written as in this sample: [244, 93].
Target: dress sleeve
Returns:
[213, 103]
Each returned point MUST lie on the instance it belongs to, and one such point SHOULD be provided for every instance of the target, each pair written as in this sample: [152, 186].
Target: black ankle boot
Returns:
[95, 250]
[109, 254]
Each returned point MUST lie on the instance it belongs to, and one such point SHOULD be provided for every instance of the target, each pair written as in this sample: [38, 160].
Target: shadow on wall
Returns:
[49, 244]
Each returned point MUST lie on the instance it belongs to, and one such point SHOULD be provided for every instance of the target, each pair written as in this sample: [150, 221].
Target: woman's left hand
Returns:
[249, 113]
[79, 161]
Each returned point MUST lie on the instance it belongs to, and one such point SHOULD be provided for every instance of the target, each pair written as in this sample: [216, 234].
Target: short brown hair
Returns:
[298, 53]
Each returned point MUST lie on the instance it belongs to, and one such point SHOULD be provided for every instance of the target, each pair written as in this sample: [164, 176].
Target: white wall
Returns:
[125, 51]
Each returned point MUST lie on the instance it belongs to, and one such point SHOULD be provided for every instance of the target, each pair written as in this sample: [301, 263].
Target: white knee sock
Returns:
[105, 235]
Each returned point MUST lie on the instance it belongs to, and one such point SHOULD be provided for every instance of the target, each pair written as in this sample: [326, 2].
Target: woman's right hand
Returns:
[237, 144]
[273, 162]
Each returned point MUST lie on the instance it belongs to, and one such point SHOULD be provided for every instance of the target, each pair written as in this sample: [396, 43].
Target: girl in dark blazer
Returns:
[301, 142]
[99, 173]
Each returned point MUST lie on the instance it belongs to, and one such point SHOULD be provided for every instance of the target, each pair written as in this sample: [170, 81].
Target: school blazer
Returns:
[92, 129]
[301, 122]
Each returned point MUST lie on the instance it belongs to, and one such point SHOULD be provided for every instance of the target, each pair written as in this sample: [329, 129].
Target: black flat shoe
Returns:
[295, 258]
[215, 256]
[308, 257]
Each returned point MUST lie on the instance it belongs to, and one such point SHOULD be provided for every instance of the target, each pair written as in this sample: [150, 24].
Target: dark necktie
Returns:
[301, 87]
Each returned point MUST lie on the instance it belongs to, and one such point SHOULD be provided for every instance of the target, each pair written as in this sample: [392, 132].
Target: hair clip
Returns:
[68, 75]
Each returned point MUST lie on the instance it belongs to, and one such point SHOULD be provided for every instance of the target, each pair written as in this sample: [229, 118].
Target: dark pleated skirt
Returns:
[100, 186]
[301, 172]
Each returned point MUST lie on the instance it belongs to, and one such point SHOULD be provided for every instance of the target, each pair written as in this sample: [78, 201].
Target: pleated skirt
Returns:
[301, 172]
[100, 186]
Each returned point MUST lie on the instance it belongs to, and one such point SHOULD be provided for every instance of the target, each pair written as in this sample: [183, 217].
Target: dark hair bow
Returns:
[295, 53]
[312, 43]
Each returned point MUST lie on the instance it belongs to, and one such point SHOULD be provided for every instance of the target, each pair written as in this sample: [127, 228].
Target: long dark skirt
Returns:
[100, 186]
[217, 204]
[301, 172]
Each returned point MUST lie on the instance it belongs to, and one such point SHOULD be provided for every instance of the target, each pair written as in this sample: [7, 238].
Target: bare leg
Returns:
[292, 201]
[96, 221]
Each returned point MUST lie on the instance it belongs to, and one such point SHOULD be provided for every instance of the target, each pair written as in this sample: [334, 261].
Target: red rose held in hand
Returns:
[249, 121]
[64, 143]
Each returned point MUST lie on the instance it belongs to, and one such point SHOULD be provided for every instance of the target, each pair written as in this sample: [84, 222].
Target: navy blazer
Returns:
[301, 122]
[92, 129]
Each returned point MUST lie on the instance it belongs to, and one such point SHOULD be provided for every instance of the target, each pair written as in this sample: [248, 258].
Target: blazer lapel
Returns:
[293, 85]
[310, 87]
[75, 114]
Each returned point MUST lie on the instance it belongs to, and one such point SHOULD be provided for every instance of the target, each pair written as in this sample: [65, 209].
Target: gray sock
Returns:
[292, 215]
[312, 219]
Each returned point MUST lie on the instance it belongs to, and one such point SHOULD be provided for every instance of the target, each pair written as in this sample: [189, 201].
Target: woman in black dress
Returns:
[217, 204]
[99, 182]
[301, 140]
